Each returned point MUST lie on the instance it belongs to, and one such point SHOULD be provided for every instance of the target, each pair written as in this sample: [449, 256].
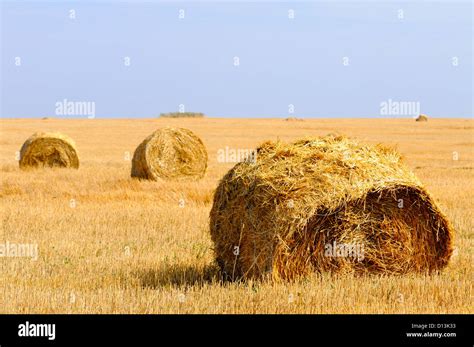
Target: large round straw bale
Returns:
[49, 150]
[170, 153]
[326, 204]
[422, 118]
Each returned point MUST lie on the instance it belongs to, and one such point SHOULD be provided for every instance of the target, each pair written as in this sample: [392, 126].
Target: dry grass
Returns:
[133, 246]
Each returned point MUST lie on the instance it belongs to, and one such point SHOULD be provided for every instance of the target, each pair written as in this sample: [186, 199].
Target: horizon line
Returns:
[212, 117]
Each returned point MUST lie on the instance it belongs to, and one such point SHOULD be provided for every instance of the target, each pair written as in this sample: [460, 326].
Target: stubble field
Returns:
[112, 244]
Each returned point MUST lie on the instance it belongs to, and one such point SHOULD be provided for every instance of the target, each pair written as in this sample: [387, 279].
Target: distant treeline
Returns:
[182, 115]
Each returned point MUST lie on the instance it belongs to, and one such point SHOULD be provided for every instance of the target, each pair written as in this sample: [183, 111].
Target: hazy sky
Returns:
[424, 57]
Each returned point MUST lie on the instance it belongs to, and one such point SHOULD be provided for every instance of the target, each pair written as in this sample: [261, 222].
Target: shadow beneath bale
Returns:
[178, 275]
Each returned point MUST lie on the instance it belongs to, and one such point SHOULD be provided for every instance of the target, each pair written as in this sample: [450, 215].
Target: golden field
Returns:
[111, 244]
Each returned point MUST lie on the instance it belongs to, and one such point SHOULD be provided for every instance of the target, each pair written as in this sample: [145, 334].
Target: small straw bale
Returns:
[327, 204]
[422, 118]
[170, 153]
[49, 150]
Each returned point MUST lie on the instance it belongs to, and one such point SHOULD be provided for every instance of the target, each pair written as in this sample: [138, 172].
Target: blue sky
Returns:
[190, 61]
